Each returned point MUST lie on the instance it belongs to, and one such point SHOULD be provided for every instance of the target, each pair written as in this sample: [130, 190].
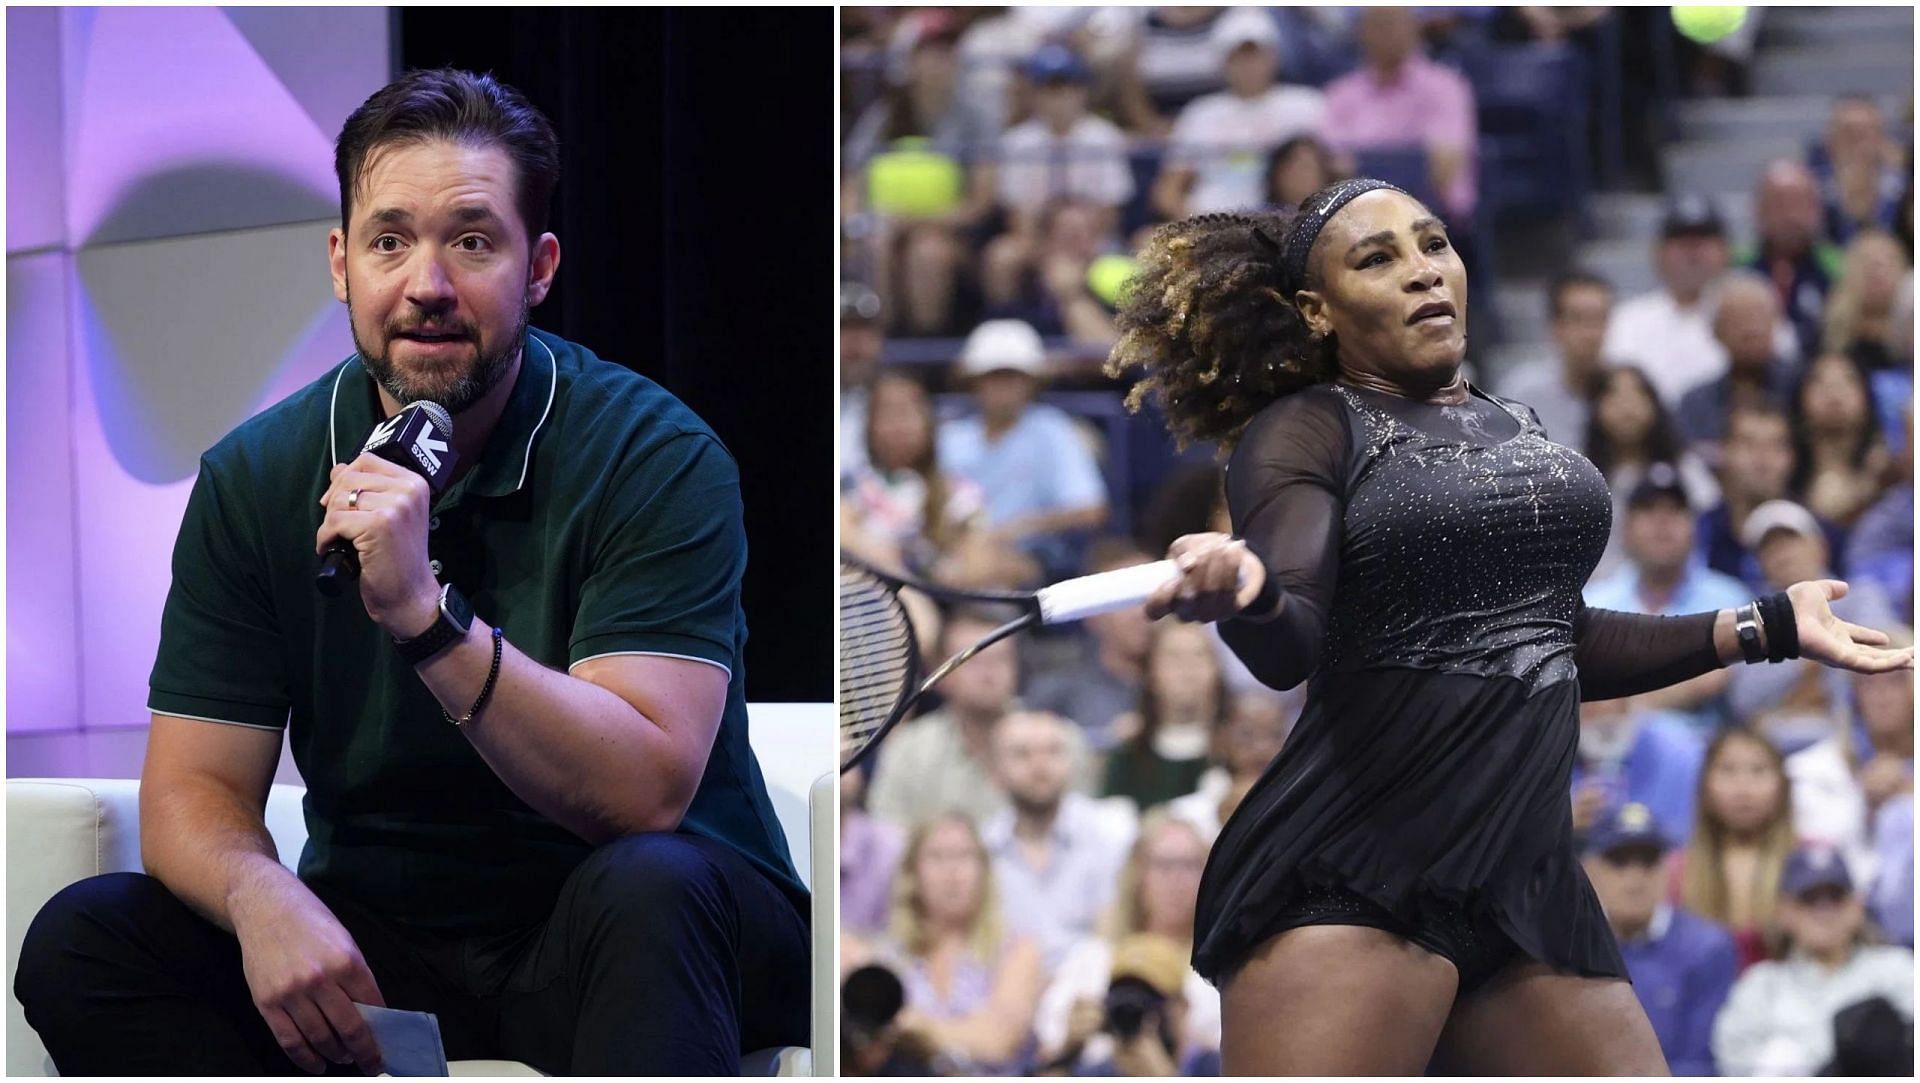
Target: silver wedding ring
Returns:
[353, 500]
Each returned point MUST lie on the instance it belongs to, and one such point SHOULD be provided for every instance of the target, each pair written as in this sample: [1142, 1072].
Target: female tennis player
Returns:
[1400, 888]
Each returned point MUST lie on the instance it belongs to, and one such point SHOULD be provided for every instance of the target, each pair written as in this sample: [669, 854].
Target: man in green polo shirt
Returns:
[531, 803]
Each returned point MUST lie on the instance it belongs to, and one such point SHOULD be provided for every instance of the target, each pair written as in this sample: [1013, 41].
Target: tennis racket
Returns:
[880, 659]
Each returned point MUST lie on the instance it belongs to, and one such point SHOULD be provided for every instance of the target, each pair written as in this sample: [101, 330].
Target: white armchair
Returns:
[60, 831]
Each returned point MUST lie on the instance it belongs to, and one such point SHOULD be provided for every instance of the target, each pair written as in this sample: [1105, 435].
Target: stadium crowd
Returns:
[1019, 863]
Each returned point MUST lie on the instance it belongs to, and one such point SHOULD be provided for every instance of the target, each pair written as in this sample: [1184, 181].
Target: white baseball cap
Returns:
[1779, 515]
[1242, 26]
[998, 345]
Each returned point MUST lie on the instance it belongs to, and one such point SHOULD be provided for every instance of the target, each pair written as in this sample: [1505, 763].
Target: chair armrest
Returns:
[823, 804]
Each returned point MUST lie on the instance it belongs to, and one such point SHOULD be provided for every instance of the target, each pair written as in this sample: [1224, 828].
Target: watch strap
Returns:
[1746, 623]
[440, 635]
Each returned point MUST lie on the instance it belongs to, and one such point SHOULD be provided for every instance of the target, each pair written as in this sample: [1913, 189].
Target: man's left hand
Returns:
[387, 526]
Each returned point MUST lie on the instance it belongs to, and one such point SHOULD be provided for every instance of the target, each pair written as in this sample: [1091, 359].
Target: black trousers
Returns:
[666, 954]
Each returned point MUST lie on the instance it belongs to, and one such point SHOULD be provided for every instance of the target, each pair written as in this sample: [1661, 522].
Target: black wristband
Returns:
[486, 690]
[1783, 634]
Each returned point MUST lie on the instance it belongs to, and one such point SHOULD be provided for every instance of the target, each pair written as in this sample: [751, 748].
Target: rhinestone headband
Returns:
[1315, 212]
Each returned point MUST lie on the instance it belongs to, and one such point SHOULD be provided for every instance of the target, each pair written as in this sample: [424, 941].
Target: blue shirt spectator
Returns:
[1661, 577]
[1043, 487]
[1645, 757]
[1682, 969]
[1681, 964]
[1890, 899]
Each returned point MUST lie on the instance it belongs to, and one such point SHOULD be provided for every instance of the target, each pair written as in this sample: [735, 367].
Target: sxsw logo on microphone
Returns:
[410, 439]
[428, 450]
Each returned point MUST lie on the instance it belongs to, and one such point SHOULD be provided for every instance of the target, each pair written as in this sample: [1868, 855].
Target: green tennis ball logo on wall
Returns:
[1108, 277]
[1707, 25]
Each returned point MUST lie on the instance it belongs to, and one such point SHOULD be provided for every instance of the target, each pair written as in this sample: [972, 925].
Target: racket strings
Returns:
[877, 661]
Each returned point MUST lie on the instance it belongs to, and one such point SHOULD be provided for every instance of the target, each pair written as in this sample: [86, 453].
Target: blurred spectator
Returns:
[1146, 1011]
[1880, 545]
[899, 509]
[1399, 98]
[1798, 702]
[920, 156]
[1668, 333]
[1841, 783]
[1557, 387]
[940, 761]
[1756, 464]
[1103, 683]
[1746, 325]
[1221, 142]
[1296, 169]
[1256, 728]
[1891, 898]
[1628, 433]
[1779, 1018]
[1062, 152]
[1871, 1038]
[971, 987]
[1630, 755]
[1791, 255]
[1729, 871]
[1551, 24]
[998, 42]
[1662, 577]
[1893, 387]
[862, 341]
[1862, 308]
[1183, 702]
[1157, 891]
[1841, 462]
[870, 852]
[1042, 484]
[871, 1041]
[1055, 855]
[1862, 179]
[1042, 279]
[1191, 499]
[1681, 964]
[1172, 61]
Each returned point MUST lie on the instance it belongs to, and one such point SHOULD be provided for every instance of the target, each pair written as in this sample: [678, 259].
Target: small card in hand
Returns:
[409, 1041]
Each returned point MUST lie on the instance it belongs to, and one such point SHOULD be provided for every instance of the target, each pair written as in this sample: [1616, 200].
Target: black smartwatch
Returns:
[450, 627]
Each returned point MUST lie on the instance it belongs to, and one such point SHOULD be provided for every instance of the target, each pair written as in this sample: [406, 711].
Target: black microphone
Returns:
[420, 438]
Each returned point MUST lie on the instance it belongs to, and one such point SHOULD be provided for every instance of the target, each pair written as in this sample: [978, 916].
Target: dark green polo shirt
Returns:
[603, 518]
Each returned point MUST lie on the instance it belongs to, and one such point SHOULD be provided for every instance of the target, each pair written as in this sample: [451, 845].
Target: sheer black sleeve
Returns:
[1286, 494]
[1625, 654]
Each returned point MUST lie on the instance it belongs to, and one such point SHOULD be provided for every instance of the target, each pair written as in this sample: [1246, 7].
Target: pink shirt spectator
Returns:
[1428, 104]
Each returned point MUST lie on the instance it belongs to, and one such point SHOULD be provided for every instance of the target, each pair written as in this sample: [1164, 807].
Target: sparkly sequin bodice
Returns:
[1463, 549]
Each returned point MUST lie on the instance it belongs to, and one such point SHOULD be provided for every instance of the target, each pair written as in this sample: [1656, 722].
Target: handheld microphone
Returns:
[420, 438]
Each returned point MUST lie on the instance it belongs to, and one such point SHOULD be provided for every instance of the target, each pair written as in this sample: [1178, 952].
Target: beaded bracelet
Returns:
[486, 690]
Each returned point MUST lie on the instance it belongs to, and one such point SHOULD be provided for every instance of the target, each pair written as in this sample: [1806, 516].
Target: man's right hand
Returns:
[305, 973]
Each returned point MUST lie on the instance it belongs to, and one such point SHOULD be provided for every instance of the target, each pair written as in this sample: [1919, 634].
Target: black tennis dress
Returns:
[1427, 563]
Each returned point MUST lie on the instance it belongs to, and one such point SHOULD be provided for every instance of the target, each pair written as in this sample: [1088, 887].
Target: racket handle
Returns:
[1075, 599]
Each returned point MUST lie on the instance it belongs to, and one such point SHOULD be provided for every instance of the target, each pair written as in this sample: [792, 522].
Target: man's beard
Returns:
[455, 392]
[1026, 804]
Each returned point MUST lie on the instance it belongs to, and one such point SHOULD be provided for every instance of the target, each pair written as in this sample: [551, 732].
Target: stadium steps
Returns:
[1809, 26]
[1851, 68]
[1805, 57]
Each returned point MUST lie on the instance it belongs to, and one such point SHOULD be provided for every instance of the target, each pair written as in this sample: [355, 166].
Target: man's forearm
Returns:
[574, 751]
[205, 844]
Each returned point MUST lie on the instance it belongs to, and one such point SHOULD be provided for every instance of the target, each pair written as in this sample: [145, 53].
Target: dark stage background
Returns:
[696, 223]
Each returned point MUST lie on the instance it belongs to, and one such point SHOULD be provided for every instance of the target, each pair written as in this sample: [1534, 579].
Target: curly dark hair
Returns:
[1205, 318]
